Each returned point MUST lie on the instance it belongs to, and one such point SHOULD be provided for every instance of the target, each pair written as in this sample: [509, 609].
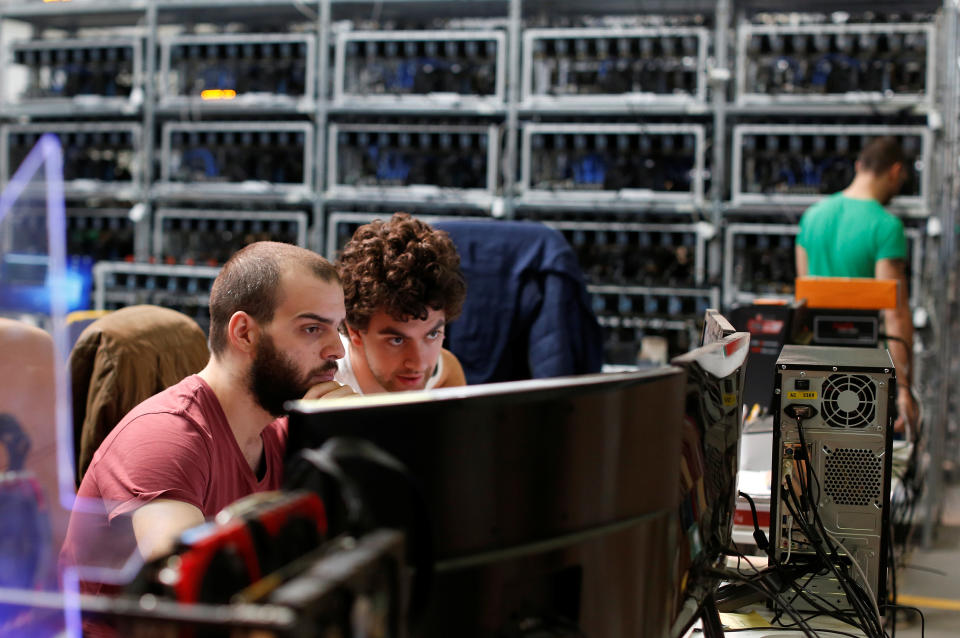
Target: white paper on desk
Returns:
[754, 483]
[743, 621]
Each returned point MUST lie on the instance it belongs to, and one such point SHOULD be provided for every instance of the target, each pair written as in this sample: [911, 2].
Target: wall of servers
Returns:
[186, 137]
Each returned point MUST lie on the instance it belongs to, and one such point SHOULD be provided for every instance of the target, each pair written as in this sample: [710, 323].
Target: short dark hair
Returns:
[402, 266]
[880, 154]
[250, 282]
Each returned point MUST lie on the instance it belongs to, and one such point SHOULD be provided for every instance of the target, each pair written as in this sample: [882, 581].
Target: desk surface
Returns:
[754, 622]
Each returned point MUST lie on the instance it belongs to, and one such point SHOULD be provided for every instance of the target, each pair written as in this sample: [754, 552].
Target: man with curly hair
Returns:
[402, 284]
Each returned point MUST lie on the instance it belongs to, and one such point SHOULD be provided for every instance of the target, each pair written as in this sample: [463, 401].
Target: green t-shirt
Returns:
[845, 237]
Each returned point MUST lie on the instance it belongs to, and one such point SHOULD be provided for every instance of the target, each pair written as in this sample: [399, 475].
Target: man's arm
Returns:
[329, 390]
[899, 324]
[800, 256]
[157, 525]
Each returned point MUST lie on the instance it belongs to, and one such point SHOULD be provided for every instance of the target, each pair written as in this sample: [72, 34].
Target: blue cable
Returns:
[811, 172]
[786, 173]
[794, 66]
[823, 67]
[210, 168]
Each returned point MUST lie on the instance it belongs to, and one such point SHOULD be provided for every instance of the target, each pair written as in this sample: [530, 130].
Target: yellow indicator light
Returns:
[218, 94]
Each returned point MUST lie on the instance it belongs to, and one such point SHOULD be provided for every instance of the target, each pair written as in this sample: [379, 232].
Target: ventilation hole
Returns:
[849, 401]
[853, 477]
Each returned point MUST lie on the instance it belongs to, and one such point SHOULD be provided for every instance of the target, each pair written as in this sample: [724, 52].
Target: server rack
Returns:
[807, 56]
[405, 148]
[759, 144]
[238, 72]
[100, 159]
[216, 234]
[609, 145]
[321, 21]
[212, 141]
[784, 236]
[623, 68]
[417, 69]
[73, 76]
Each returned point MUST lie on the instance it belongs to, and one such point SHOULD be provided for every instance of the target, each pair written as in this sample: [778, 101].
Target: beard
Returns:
[274, 379]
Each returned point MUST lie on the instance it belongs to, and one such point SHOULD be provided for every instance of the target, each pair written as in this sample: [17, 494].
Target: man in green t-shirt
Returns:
[850, 234]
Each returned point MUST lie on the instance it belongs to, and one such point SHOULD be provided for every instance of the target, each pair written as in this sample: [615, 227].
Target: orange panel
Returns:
[847, 292]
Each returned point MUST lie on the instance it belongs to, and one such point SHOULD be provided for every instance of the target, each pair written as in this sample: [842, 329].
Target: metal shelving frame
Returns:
[481, 197]
[430, 102]
[914, 205]
[268, 191]
[162, 214]
[621, 102]
[334, 219]
[693, 199]
[943, 439]
[745, 97]
[172, 103]
[723, 106]
[733, 295]
[700, 241]
[711, 295]
[126, 190]
[141, 225]
[81, 104]
[133, 294]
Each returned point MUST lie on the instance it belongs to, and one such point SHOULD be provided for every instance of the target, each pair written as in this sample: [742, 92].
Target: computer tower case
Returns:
[845, 400]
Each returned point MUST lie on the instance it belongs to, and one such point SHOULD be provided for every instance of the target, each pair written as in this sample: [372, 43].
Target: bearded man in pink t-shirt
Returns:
[184, 454]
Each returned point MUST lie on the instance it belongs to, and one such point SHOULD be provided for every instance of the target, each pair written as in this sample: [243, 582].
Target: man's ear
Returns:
[899, 170]
[243, 332]
[354, 335]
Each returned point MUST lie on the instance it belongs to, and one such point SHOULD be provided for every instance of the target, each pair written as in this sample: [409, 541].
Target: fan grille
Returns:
[853, 476]
[849, 401]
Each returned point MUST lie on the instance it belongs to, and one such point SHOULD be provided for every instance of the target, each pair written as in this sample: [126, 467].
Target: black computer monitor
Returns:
[709, 465]
[550, 501]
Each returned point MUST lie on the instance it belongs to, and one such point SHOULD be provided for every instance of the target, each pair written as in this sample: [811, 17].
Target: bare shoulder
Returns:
[452, 371]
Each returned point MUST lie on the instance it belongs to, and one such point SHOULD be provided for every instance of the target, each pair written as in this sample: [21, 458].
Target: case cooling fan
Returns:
[849, 401]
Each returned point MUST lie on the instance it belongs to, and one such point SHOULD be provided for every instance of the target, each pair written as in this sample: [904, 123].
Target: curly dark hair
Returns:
[403, 267]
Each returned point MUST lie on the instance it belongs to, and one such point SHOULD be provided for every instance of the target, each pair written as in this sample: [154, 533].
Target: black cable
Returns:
[887, 337]
[892, 593]
[758, 536]
[807, 471]
[810, 617]
[770, 593]
[769, 589]
[821, 605]
[863, 616]
[836, 632]
[866, 612]
[923, 622]
[827, 608]
[830, 563]
[795, 507]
